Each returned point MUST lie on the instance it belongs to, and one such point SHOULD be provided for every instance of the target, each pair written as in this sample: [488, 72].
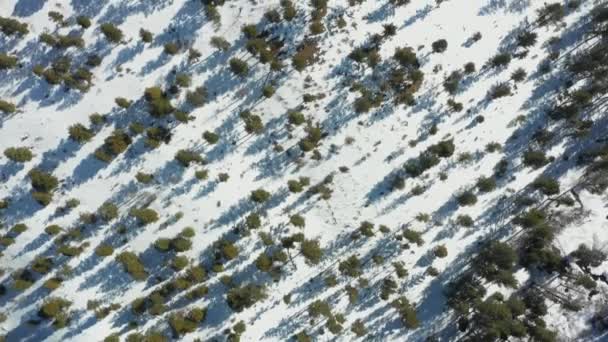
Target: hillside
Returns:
[225, 170]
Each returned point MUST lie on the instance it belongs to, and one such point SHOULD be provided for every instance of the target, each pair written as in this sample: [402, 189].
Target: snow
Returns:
[380, 148]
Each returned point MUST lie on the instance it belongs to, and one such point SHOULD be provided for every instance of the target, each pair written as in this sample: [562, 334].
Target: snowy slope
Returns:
[382, 144]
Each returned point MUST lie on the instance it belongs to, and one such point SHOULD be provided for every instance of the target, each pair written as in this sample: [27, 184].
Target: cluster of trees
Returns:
[62, 72]
[429, 158]
[114, 144]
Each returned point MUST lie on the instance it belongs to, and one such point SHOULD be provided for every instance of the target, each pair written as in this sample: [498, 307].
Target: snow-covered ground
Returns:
[382, 144]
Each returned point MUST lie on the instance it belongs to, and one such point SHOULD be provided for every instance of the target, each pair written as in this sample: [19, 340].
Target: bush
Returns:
[55, 309]
[526, 39]
[500, 60]
[469, 68]
[210, 137]
[406, 57]
[83, 21]
[350, 267]
[179, 263]
[144, 216]
[239, 67]
[440, 251]
[80, 133]
[198, 97]
[245, 296]
[108, 211]
[466, 198]
[486, 184]
[146, 36]
[132, 265]
[518, 75]
[144, 178]
[18, 154]
[413, 236]
[104, 250]
[112, 33]
[7, 62]
[253, 221]
[311, 251]
[547, 185]
[268, 91]
[464, 220]
[171, 48]
[183, 80]
[535, 159]
[500, 90]
[316, 27]
[122, 102]
[220, 43]
[53, 229]
[440, 46]
[10, 26]
[186, 157]
[406, 312]
[42, 181]
[260, 196]
[297, 220]
[7, 107]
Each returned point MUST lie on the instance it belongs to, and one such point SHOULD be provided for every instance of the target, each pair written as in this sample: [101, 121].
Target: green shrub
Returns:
[406, 312]
[220, 43]
[179, 263]
[440, 251]
[268, 91]
[486, 184]
[350, 267]
[547, 185]
[535, 159]
[464, 220]
[183, 80]
[500, 60]
[7, 62]
[171, 48]
[297, 220]
[311, 251]
[18, 154]
[500, 90]
[132, 265]
[210, 137]
[80, 133]
[146, 36]
[413, 236]
[10, 26]
[245, 296]
[122, 102]
[108, 211]
[201, 174]
[144, 216]
[239, 67]
[112, 33]
[466, 198]
[18, 228]
[55, 309]
[260, 195]
[440, 46]
[104, 250]
[253, 221]
[296, 118]
[144, 178]
[198, 97]
[186, 157]
[42, 181]
[83, 21]
[7, 107]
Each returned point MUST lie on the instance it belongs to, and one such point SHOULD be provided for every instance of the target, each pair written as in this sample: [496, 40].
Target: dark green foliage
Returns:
[496, 263]
[464, 220]
[112, 33]
[547, 185]
[198, 97]
[186, 157]
[440, 46]
[132, 265]
[245, 296]
[440, 251]
[18, 154]
[183, 80]
[389, 287]
[239, 67]
[42, 181]
[314, 134]
[551, 14]
[108, 211]
[144, 178]
[469, 68]
[407, 312]
[220, 43]
[500, 90]
[7, 107]
[526, 39]
[113, 145]
[319, 308]
[10, 26]
[210, 137]
[55, 309]
[486, 184]
[358, 328]
[260, 195]
[452, 82]
[311, 251]
[586, 257]
[406, 57]
[350, 267]
[7, 62]
[500, 60]
[146, 36]
[83, 21]
[253, 123]
[535, 159]
[253, 221]
[413, 236]
[171, 48]
[80, 134]
[466, 198]
[104, 250]
[144, 216]
[297, 220]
